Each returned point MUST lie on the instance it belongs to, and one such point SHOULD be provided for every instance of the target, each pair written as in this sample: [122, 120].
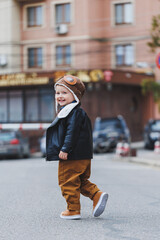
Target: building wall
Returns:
[119, 100]
[92, 30]
[93, 36]
[10, 36]
[137, 33]
[86, 53]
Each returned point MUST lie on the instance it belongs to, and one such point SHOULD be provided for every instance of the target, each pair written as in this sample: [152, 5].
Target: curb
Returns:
[145, 161]
[152, 162]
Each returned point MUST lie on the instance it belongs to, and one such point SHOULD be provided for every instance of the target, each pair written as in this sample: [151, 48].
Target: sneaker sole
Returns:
[99, 209]
[74, 217]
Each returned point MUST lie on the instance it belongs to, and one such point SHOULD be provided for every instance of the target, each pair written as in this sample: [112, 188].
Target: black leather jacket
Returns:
[72, 134]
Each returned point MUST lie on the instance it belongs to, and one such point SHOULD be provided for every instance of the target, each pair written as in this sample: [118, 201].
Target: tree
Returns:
[149, 85]
[155, 33]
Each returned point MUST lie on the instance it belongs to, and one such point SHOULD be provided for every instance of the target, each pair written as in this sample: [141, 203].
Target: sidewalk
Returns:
[147, 157]
[152, 161]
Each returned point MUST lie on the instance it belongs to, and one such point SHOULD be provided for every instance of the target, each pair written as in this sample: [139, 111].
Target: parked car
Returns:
[43, 145]
[13, 144]
[107, 132]
[151, 133]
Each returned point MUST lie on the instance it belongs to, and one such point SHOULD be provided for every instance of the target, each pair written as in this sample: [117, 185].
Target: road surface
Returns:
[31, 202]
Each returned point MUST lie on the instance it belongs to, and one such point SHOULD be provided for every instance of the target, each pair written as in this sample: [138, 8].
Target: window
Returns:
[124, 55]
[31, 99]
[34, 16]
[63, 55]
[15, 106]
[35, 57]
[42, 105]
[3, 106]
[29, 105]
[46, 105]
[63, 13]
[123, 13]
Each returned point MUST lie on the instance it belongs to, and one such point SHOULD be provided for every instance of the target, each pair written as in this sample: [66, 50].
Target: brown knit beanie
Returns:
[73, 84]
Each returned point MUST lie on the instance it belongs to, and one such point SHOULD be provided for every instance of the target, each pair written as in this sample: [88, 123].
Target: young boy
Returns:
[69, 140]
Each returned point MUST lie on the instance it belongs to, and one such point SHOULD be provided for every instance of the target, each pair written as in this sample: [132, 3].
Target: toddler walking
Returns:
[69, 140]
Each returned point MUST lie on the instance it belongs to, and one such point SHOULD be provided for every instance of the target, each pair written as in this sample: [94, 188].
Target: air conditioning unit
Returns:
[3, 60]
[142, 64]
[61, 29]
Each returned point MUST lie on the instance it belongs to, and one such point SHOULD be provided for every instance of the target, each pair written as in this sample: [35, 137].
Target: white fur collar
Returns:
[66, 110]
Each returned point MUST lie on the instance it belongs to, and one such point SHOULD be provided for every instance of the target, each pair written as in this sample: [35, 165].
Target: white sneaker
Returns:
[99, 203]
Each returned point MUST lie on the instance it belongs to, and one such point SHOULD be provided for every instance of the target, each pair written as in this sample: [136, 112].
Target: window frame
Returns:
[35, 49]
[124, 45]
[35, 17]
[25, 16]
[64, 64]
[53, 12]
[63, 13]
[113, 11]
[25, 60]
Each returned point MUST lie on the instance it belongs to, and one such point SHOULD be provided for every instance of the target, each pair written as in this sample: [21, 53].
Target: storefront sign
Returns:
[108, 75]
[86, 76]
[96, 75]
[20, 79]
[83, 75]
[58, 74]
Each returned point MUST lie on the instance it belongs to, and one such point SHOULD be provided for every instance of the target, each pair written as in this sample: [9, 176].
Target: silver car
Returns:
[13, 144]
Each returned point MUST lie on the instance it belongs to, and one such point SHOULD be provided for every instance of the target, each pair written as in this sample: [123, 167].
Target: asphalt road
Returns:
[31, 201]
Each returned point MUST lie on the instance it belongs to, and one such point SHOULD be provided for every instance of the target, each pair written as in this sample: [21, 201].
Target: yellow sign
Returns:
[96, 75]
[86, 76]
[22, 79]
[58, 75]
[83, 75]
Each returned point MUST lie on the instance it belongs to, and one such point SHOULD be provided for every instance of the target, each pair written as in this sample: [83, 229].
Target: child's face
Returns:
[63, 96]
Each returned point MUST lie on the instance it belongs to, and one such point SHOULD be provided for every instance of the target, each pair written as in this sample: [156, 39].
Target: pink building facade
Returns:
[104, 42]
[98, 32]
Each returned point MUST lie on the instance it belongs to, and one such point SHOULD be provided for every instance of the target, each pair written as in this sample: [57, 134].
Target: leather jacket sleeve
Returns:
[74, 123]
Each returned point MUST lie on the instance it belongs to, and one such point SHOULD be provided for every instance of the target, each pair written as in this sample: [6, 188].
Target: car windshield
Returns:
[155, 126]
[108, 124]
[6, 136]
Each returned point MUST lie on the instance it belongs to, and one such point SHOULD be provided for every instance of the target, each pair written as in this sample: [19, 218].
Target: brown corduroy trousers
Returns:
[73, 178]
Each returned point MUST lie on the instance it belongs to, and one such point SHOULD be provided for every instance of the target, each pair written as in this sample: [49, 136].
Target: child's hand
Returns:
[63, 155]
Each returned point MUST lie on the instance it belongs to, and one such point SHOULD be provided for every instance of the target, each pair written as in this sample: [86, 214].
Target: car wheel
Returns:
[20, 155]
[149, 146]
[27, 155]
[146, 144]
[102, 149]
